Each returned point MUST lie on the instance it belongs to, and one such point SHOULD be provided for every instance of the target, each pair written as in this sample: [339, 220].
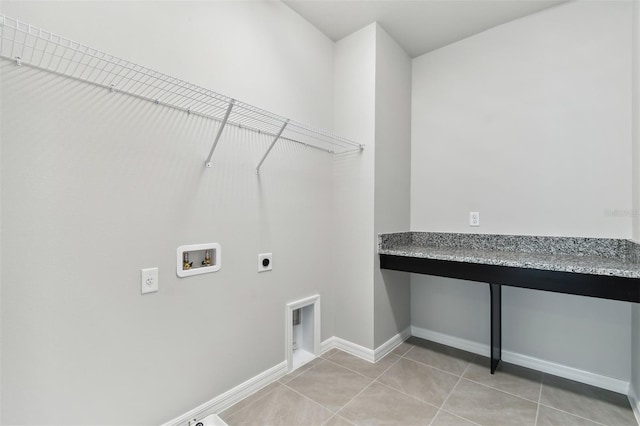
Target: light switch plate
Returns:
[148, 280]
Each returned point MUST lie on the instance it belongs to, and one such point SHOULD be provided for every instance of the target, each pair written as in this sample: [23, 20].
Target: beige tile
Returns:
[295, 373]
[552, 417]
[513, 379]
[490, 407]
[593, 403]
[381, 405]
[328, 354]
[249, 400]
[419, 381]
[447, 419]
[402, 349]
[329, 385]
[338, 421]
[282, 407]
[361, 366]
[436, 355]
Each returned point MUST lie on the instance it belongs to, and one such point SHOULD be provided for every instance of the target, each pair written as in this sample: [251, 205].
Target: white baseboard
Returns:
[604, 382]
[348, 347]
[456, 342]
[634, 400]
[391, 344]
[227, 399]
[362, 352]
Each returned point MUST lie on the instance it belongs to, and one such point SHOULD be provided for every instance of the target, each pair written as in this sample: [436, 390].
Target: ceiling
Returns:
[419, 26]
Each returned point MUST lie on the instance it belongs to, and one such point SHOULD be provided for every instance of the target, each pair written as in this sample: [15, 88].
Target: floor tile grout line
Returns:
[406, 394]
[447, 355]
[300, 371]
[335, 363]
[540, 404]
[437, 368]
[539, 398]
[500, 390]
[451, 392]
[339, 416]
[458, 416]
[357, 372]
[346, 368]
[356, 395]
[253, 402]
[405, 352]
[367, 387]
[409, 395]
[572, 414]
[333, 413]
[268, 393]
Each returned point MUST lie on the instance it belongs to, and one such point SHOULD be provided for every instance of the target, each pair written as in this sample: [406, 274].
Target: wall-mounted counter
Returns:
[596, 267]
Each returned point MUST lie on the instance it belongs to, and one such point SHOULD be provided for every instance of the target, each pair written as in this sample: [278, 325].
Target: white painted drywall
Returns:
[97, 185]
[353, 251]
[528, 123]
[392, 181]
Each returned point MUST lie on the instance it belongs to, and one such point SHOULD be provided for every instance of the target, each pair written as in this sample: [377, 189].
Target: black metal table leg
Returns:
[496, 325]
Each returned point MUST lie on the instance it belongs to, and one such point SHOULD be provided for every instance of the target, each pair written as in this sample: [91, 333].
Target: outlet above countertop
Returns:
[595, 256]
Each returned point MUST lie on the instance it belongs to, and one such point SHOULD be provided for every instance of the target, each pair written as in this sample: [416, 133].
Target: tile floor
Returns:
[424, 383]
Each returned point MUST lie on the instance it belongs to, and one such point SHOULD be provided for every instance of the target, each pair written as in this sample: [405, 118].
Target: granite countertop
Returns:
[596, 256]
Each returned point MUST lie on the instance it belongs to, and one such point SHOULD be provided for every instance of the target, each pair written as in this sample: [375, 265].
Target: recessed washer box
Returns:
[198, 259]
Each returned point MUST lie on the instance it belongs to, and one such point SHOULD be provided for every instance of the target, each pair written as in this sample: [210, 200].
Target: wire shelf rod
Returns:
[271, 146]
[215, 142]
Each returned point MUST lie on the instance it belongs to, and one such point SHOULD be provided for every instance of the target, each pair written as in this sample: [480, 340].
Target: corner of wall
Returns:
[392, 180]
[353, 187]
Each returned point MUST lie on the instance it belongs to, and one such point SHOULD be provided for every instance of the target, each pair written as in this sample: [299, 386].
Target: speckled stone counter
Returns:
[594, 267]
[596, 256]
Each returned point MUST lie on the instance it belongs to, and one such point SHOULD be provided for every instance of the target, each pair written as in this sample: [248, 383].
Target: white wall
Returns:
[392, 181]
[96, 186]
[353, 253]
[528, 123]
[242, 49]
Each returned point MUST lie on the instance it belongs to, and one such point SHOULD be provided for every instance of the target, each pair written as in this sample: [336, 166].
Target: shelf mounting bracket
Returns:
[207, 162]
[271, 146]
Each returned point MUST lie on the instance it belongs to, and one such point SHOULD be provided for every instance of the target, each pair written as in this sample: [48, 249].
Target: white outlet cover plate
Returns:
[148, 280]
[261, 258]
[474, 219]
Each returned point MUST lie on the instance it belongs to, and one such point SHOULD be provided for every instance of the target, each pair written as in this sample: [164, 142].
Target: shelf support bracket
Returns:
[271, 146]
[207, 162]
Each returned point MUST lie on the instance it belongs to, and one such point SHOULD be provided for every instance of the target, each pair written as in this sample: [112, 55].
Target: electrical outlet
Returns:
[148, 280]
[474, 219]
[265, 262]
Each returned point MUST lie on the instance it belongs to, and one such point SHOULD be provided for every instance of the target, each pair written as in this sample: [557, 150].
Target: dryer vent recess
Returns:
[197, 259]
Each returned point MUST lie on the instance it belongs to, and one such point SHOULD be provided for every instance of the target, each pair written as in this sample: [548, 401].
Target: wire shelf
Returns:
[37, 48]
